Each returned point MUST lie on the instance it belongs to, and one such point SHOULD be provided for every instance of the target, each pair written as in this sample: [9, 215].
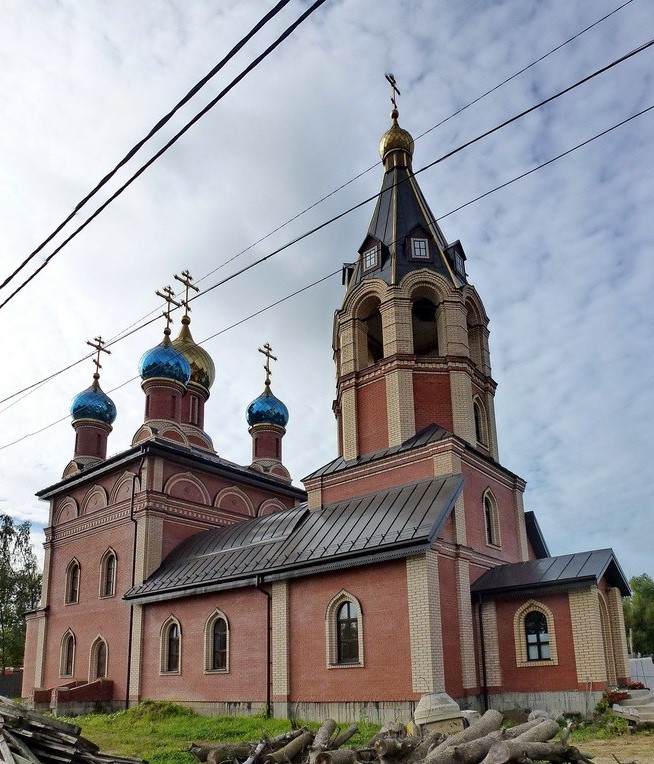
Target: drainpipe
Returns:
[268, 642]
[484, 675]
[136, 475]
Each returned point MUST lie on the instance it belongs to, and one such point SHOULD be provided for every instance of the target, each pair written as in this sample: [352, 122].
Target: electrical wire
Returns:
[287, 32]
[348, 211]
[333, 273]
[161, 123]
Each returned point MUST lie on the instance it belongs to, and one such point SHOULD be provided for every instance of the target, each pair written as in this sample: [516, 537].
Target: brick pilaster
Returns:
[462, 413]
[466, 630]
[136, 656]
[491, 646]
[400, 406]
[587, 636]
[618, 631]
[280, 642]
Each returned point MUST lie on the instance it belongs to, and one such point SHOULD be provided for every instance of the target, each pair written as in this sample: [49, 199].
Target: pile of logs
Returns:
[484, 742]
[30, 738]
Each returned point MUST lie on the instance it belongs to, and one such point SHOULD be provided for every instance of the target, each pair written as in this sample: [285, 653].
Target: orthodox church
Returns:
[407, 566]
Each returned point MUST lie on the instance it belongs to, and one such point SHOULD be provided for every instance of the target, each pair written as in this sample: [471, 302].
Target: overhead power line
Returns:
[161, 123]
[287, 32]
[333, 273]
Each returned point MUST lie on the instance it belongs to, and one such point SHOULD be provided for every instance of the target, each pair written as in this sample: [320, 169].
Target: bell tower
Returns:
[411, 338]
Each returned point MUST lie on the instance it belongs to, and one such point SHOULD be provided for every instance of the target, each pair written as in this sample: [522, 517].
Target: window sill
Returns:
[216, 671]
[530, 664]
[352, 665]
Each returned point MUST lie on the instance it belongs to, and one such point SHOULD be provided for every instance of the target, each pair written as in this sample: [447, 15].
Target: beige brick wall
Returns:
[280, 639]
[396, 326]
[618, 631]
[456, 328]
[523, 546]
[349, 424]
[45, 582]
[346, 346]
[136, 655]
[587, 636]
[149, 545]
[449, 463]
[491, 645]
[462, 413]
[314, 497]
[466, 631]
[492, 427]
[400, 406]
[425, 623]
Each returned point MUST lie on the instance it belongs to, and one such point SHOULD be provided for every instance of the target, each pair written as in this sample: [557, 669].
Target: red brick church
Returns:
[408, 566]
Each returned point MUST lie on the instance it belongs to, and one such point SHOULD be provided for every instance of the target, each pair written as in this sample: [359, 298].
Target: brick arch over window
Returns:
[122, 488]
[344, 631]
[234, 500]
[270, 506]
[73, 579]
[98, 659]
[184, 485]
[520, 634]
[216, 643]
[67, 654]
[67, 510]
[491, 519]
[170, 651]
[95, 499]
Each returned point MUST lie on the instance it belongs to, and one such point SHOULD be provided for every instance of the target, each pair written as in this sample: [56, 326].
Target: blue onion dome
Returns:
[395, 138]
[203, 370]
[164, 361]
[93, 403]
[266, 409]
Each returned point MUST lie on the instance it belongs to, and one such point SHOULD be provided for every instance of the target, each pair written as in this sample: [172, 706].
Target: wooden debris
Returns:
[30, 738]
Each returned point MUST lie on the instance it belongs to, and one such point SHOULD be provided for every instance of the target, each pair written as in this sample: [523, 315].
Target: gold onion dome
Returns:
[203, 371]
[395, 139]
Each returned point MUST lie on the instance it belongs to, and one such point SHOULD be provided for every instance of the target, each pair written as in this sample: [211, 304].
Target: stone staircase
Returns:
[639, 707]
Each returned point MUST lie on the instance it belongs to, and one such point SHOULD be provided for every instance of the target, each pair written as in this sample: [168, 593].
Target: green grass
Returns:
[161, 732]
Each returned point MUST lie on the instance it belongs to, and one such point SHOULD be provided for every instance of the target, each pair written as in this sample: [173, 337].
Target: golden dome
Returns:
[395, 138]
[203, 371]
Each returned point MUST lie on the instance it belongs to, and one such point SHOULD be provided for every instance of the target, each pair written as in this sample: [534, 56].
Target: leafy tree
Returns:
[639, 613]
[20, 588]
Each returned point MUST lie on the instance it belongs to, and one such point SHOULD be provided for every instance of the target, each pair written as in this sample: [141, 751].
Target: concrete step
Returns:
[638, 698]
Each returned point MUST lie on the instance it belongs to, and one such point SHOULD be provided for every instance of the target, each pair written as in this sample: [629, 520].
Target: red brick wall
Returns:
[372, 422]
[381, 590]
[537, 678]
[432, 400]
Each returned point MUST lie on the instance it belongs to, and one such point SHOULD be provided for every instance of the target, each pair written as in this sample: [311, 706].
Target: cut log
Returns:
[489, 722]
[390, 749]
[291, 750]
[321, 739]
[427, 744]
[516, 750]
[228, 752]
[512, 732]
[342, 756]
[540, 733]
[258, 750]
[343, 737]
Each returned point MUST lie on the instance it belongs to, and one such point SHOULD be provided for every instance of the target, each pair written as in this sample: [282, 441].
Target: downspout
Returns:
[484, 675]
[136, 475]
[268, 643]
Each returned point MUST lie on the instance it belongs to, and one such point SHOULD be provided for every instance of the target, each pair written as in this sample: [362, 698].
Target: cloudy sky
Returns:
[562, 258]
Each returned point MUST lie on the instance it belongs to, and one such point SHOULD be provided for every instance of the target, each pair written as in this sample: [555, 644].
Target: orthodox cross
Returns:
[169, 296]
[98, 345]
[267, 351]
[391, 81]
[186, 279]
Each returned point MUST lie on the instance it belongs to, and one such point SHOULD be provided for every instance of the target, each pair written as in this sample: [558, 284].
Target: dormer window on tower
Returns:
[370, 258]
[420, 249]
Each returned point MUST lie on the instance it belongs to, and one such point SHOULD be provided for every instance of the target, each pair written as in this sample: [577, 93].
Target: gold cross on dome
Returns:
[267, 351]
[391, 81]
[98, 345]
[169, 296]
[186, 279]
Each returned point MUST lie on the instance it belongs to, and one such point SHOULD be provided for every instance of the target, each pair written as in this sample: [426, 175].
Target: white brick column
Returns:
[618, 632]
[466, 629]
[491, 645]
[136, 655]
[587, 636]
[280, 642]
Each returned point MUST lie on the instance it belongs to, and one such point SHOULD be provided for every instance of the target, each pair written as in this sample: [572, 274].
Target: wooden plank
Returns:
[22, 748]
[5, 752]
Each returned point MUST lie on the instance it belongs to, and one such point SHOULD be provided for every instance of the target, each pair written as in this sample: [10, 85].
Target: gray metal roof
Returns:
[566, 571]
[431, 434]
[535, 536]
[383, 525]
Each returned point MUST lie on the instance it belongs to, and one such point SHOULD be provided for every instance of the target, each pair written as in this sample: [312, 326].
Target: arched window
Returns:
[108, 574]
[98, 659]
[481, 421]
[347, 633]
[72, 582]
[216, 641]
[491, 520]
[424, 327]
[369, 339]
[344, 631]
[537, 636]
[67, 660]
[171, 638]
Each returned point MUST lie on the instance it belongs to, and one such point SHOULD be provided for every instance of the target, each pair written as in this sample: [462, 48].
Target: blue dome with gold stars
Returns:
[267, 409]
[165, 361]
[93, 403]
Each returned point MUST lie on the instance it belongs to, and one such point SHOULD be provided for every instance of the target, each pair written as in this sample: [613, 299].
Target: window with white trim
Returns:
[535, 635]
[171, 644]
[370, 258]
[420, 249]
[216, 643]
[344, 631]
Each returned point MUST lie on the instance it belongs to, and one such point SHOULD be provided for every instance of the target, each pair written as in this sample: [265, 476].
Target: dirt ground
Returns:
[628, 748]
